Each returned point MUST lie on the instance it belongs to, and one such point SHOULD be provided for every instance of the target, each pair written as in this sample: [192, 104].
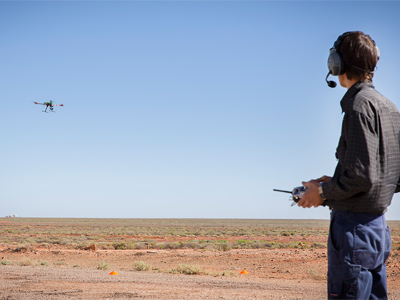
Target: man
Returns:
[365, 177]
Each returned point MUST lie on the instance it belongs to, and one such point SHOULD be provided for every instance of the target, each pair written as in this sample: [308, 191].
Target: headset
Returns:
[336, 65]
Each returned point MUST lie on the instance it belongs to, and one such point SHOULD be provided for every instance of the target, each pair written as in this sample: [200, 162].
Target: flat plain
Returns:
[57, 258]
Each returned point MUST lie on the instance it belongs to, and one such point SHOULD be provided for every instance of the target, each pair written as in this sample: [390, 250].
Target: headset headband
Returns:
[341, 38]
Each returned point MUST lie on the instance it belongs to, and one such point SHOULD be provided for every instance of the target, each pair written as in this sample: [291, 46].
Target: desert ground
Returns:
[169, 259]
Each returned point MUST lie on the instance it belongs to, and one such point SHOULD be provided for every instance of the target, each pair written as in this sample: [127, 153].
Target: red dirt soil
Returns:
[59, 273]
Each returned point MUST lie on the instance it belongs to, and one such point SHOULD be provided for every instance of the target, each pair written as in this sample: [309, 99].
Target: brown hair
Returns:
[359, 55]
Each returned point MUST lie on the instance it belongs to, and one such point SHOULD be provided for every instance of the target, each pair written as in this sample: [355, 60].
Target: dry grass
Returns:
[141, 266]
[189, 269]
[121, 234]
[103, 266]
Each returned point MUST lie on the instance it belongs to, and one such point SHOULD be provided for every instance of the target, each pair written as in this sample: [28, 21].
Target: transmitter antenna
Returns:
[275, 190]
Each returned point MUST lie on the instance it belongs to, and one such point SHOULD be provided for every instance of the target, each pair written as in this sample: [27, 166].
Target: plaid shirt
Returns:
[368, 153]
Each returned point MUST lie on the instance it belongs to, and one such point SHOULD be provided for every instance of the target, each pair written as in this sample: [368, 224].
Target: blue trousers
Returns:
[358, 247]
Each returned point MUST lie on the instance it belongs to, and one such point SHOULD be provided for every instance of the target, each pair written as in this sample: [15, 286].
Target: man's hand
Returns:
[311, 197]
[324, 179]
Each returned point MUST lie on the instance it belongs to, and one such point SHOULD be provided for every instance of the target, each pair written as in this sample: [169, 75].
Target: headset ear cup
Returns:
[335, 63]
[378, 53]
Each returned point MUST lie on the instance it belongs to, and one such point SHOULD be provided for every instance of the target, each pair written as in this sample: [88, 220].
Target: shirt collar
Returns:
[352, 91]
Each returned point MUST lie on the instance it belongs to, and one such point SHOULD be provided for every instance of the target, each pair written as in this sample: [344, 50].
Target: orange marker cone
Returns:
[113, 273]
[244, 272]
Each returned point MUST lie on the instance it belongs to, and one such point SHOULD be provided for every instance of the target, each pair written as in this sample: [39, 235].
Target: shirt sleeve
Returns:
[357, 153]
[397, 190]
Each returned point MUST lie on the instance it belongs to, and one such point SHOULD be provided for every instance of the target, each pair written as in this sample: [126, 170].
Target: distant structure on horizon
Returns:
[14, 216]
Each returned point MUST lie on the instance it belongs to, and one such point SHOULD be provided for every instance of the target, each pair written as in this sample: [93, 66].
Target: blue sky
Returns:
[183, 109]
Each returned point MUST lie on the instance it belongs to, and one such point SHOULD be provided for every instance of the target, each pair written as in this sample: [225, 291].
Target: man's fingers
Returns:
[303, 202]
[324, 179]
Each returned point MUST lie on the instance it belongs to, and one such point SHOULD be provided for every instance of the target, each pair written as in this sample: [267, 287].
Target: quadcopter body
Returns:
[49, 105]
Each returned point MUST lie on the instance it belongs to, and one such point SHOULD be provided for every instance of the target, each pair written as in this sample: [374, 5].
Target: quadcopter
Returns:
[49, 104]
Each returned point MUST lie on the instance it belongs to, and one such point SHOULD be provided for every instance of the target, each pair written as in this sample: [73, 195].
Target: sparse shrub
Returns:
[278, 245]
[106, 246]
[266, 233]
[242, 242]
[141, 266]
[268, 245]
[140, 246]
[27, 263]
[172, 271]
[44, 263]
[293, 245]
[228, 273]
[65, 241]
[193, 245]
[103, 266]
[6, 262]
[256, 245]
[188, 269]
[173, 246]
[225, 246]
[28, 241]
[318, 245]
[61, 264]
[122, 246]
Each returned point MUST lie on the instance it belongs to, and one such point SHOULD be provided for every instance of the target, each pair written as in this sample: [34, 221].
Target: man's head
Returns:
[355, 54]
